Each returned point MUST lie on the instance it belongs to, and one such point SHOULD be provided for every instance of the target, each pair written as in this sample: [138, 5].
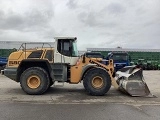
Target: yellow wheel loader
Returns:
[37, 69]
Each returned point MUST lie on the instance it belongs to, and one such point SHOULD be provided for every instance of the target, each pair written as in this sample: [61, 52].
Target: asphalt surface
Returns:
[72, 102]
[107, 111]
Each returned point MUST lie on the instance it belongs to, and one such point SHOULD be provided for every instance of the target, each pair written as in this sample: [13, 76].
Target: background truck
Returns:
[3, 62]
[4, 53]
[120, 59]
[37, 69]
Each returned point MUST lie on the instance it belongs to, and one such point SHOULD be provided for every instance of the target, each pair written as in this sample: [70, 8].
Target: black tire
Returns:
[2, 67]
[37, 87]
[102, 75]
[51, 83]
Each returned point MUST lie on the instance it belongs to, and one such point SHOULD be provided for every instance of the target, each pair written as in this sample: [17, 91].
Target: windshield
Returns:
[74, 49]
[94, 55]
[120, 57]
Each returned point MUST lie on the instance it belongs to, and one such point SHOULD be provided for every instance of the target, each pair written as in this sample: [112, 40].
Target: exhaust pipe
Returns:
[130, 80]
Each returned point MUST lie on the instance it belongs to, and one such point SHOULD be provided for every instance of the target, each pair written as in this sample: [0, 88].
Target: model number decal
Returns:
[14, 62]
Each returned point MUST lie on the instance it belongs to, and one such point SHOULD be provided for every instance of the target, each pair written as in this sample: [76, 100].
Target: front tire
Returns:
[97, 81]
[35, 81]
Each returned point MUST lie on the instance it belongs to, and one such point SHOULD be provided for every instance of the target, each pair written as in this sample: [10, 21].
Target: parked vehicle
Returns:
[3, 62]
[142, 63]
[4, 54]
[120, 59]
[147, 64]
[37, 69]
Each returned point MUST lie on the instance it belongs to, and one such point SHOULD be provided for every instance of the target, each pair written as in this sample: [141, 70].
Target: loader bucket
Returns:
[130, 80]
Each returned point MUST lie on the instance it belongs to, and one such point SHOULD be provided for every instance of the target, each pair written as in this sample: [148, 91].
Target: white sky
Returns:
[96, 23]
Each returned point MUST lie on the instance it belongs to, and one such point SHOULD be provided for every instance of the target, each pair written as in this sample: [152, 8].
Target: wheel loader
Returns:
[36, 69]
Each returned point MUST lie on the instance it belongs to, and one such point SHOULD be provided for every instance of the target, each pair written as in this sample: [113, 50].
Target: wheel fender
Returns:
[86, 68]
[29, 61]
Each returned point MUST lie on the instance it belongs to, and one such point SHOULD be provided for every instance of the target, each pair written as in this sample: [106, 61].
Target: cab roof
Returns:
[75, 38]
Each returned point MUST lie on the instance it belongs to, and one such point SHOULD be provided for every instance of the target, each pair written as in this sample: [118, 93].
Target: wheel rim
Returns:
[97, 82]
[33, 82]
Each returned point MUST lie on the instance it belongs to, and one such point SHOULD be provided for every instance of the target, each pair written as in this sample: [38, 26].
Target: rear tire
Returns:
[97, 81]
[35, 81]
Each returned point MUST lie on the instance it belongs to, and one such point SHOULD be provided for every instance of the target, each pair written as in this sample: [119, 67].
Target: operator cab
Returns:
[66, 50]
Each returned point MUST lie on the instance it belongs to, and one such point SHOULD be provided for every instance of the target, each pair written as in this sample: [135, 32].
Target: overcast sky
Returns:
[96, 23]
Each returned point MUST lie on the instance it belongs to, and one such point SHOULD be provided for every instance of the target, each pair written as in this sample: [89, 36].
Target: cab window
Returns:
[49, 55]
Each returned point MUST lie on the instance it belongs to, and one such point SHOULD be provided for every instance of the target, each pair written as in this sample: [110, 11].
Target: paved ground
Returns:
[105, 111]
[75, 94]
[71, 102]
